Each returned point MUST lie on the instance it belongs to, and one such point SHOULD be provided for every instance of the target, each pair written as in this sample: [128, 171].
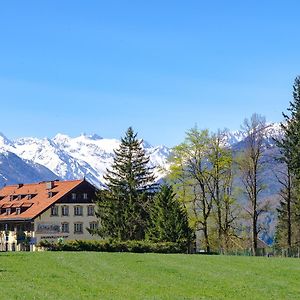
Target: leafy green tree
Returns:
[123, 208]
[201, 173]
[189, 172]
[250, 163]
[168, 218]
[219, 182]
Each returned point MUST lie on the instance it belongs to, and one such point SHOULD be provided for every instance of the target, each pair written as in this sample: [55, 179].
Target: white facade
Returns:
[71, 222]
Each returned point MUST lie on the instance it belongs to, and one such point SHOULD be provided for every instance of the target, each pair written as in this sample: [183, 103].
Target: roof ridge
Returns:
[41, 182]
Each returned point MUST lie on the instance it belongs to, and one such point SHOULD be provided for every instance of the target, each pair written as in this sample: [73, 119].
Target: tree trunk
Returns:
[206, 240]
[289, 217]
[254, 236]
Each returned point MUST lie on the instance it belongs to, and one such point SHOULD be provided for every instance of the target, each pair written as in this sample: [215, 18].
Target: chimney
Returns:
[49, 185]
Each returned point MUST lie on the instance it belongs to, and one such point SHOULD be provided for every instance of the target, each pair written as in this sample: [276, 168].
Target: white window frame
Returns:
[93, 225]
[78, 210]
[54, 211]
[65, 210]
[90, 210]
[77, 226]
[73, 196]
[85, 196]
[65, 227]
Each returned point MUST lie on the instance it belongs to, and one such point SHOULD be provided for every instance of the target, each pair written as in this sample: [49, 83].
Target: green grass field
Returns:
[91, 275]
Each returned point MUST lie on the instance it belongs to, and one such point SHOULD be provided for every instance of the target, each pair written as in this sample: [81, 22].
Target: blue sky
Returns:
[159, 66]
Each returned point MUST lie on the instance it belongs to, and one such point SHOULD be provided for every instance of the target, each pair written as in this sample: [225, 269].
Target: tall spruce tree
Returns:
[289, 145]
[168, 218]
[123, 208]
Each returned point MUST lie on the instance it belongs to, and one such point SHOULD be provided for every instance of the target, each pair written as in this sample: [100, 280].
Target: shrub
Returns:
[115, 246]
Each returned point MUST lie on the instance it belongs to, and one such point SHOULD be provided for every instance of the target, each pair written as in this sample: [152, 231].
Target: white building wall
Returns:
[49, 227]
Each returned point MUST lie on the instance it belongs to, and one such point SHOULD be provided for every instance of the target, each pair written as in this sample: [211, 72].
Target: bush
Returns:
[115, 246]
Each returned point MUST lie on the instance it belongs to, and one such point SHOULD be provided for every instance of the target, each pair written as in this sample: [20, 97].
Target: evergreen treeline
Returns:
[213, 195]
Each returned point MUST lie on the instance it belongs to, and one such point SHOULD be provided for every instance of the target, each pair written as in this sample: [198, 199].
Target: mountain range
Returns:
[31, 159]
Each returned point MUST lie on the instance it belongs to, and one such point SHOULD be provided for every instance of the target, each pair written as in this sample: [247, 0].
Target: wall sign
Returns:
[48, 228]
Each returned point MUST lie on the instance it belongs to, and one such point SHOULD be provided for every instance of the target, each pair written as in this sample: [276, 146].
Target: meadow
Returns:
[94, 275]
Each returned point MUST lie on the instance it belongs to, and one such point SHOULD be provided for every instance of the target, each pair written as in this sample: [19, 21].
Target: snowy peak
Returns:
[86, 155]
[272, 130]
[4, 141]
[93, 136]
[90, 156]
[61, 139]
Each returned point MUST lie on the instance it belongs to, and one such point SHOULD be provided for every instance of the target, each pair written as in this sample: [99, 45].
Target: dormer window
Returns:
[73, 196]
[19, 197]
[29, 196]
[11, 197]
[8, 211]
[18, 210]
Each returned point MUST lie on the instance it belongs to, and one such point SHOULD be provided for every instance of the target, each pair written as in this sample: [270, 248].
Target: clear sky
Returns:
[159, 66]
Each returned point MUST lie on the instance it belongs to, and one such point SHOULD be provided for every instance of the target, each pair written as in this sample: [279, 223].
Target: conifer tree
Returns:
[168, 219]
[123, 208]
[289, 146]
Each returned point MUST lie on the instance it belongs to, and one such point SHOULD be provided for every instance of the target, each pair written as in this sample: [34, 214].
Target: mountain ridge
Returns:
[89, 155]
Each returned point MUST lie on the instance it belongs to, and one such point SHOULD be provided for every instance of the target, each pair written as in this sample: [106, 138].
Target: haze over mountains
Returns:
[62, 157]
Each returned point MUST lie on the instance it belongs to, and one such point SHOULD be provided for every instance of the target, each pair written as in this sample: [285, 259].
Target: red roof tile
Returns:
[37, 204]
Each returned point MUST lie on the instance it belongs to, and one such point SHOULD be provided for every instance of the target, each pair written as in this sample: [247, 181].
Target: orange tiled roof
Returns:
[39, 201]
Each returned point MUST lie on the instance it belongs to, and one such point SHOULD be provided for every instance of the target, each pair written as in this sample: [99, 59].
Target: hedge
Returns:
[115, 246]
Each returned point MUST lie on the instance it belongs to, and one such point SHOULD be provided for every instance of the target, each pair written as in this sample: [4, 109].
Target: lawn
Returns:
[91, 275]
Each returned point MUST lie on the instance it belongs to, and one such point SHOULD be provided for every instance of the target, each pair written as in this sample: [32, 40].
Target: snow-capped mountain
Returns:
[272, 130]
[84, 156]
[14, 169]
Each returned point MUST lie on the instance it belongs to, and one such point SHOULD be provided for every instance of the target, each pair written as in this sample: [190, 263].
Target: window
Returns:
[90, 210]
[73, 196]
[18, 210]
[93, 225]
[54, 211]
[8, 211]
[64, 227]
[78, 228]
[85, 196]
[65, 210]
[78, 210]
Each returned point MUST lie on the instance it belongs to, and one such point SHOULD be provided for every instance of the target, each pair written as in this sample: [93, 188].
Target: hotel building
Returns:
[49, 211]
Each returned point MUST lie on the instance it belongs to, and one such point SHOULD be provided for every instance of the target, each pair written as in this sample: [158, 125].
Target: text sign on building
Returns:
[48, 228]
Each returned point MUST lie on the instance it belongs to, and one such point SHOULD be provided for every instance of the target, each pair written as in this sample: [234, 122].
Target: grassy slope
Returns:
[88, 275]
